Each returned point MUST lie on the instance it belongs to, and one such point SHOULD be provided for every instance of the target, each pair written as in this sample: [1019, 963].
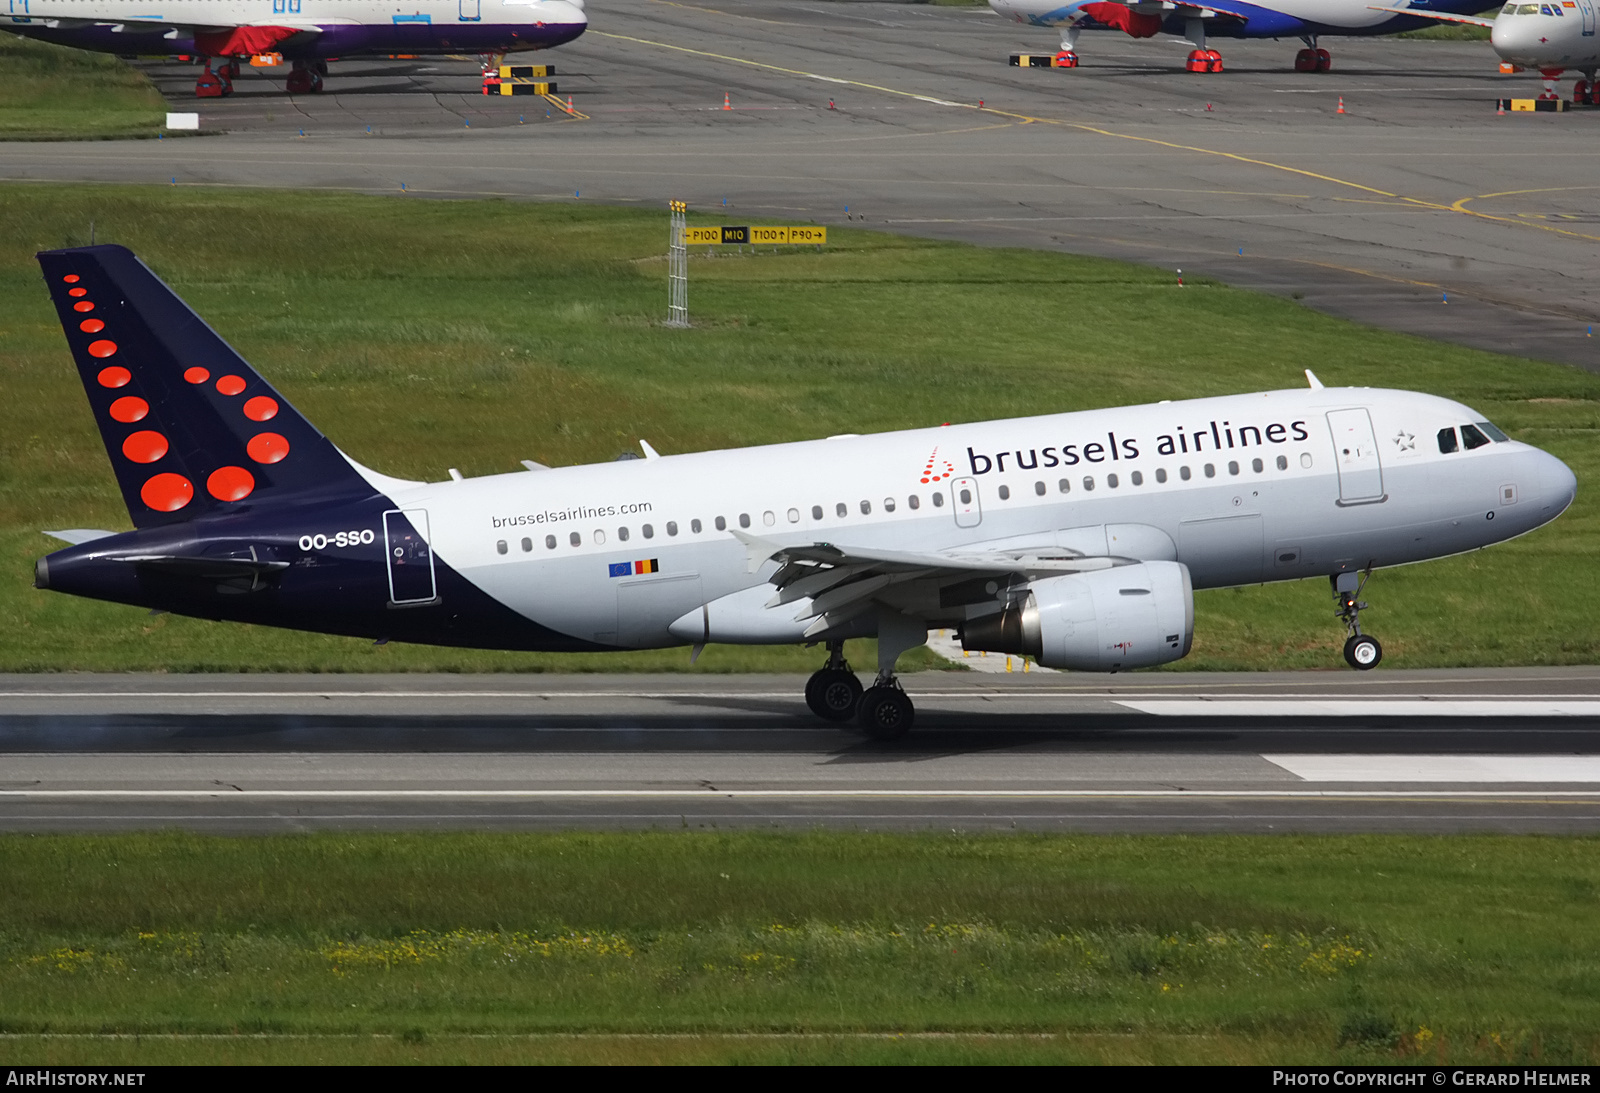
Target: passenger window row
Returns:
[914, 502]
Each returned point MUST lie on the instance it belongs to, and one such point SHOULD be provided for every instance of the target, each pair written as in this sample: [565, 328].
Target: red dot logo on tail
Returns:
[83, 305]
[115, 376]
[261, 408]
[75, 292]
[102, 348]
[196, 375]
[230, 385]
[91, 326]
[167, 492]
[145, 446]
[129, 408]
[267, 448]
[230, 483]
[72, 278]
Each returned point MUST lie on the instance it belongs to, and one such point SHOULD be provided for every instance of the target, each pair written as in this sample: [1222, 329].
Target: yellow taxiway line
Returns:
[1459, 206]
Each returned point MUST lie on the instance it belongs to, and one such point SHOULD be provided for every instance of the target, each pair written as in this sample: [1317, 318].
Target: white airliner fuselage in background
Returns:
[1552, 36]
[1073, 538]
[306, 32]
[1307, 20]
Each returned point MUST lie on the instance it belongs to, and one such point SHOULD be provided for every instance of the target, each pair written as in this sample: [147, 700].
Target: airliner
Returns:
[1552, 37]
[308, 33]
[1075, 539]
[1307, 20]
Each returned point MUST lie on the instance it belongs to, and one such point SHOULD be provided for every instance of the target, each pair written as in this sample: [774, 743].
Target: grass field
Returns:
[422, 335]
[676, 945]
[49, 92]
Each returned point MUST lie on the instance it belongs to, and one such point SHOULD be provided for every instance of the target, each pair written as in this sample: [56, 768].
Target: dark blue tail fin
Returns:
[191, 429]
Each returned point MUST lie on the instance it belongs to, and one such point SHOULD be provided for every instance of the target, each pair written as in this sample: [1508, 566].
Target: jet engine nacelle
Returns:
[1130, 616]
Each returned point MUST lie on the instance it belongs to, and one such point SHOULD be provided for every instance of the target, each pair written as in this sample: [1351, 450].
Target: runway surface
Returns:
[909, 116]
[1514, 750]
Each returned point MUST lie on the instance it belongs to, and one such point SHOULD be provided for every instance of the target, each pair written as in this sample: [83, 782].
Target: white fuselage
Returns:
[1242, 489]
[1548, 35]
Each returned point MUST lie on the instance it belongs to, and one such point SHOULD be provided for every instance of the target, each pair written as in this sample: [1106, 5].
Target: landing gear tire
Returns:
[885, 713]
[1324, 60]
[1362, 652]
[298, 83]
[834, 694]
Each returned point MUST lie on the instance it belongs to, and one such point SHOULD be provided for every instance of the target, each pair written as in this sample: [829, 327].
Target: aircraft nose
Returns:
[1515, 39]
[1557, 485]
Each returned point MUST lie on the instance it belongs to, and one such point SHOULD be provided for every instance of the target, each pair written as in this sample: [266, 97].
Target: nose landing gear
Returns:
[1361, 651]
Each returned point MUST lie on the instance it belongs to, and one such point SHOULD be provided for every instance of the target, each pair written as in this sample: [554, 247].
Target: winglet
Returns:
[649, 452]
[757, 550]
[1311, 378]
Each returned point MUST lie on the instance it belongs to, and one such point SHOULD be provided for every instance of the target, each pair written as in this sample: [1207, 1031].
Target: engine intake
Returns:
[1131, 616]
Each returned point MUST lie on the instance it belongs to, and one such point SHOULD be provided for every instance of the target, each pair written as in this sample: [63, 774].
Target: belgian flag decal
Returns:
[631, 569]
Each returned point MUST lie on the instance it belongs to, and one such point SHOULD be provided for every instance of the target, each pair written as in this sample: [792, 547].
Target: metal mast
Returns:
[677, 269]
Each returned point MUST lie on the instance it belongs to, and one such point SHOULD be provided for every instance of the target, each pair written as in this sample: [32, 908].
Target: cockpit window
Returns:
[1472, 437]
[1509, 9]
[1528, 9]
[1447, 441]
[1494, 434]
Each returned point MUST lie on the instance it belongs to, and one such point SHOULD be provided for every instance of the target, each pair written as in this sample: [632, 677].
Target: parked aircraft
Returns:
[1076, 539]
[1552, 37]
[1307, 20]
[308, 33]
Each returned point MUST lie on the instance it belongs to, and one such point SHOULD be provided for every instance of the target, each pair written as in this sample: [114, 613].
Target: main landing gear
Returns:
[1201, 59]
[1586, 92]
[214, 85]
[306, 77]
[1068, 55]
[883, 711]
[1312, 59]
[834, 692]
[1361, 651]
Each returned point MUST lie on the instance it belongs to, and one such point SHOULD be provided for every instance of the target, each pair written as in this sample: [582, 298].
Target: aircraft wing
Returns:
[842, 582]
[1469, 20]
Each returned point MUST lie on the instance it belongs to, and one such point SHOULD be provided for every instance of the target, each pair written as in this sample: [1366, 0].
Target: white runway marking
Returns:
[1311, 706]
[703, 793]
[1441, 768]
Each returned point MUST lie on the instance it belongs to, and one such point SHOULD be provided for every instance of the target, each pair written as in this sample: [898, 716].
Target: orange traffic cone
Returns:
[569, 104]
[1341, 105]
[726, 105]
[1500, 108]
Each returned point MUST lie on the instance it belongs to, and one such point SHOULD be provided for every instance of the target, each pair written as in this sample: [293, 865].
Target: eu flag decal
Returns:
[649, 565]
[621, 569]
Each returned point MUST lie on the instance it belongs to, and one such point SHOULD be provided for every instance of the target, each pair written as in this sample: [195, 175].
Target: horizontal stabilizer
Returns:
[79, 535]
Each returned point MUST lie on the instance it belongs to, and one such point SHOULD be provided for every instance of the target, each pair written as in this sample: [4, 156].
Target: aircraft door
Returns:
[405, 545]
[1355, 451]
[470, 11]
[1586, 7]
[964, 500]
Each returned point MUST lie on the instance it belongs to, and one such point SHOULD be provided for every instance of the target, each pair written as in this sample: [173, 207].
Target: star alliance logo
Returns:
[1405, 441]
